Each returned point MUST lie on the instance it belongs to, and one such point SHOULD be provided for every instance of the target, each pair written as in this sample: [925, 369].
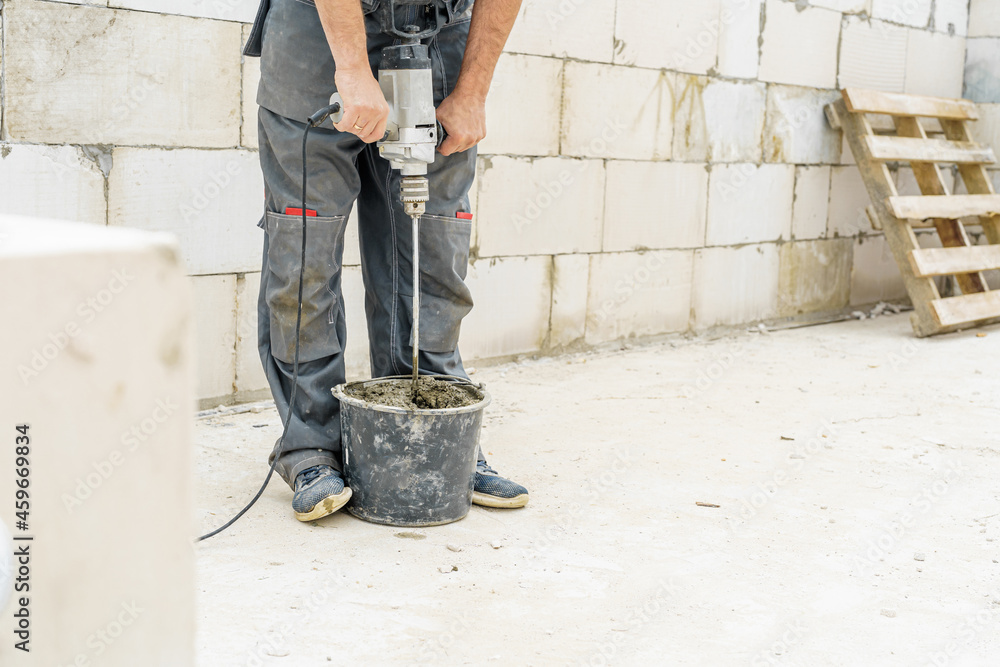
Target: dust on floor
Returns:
[854, 467]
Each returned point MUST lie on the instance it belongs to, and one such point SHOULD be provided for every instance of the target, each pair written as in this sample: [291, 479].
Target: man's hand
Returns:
[365, 109]
[463, 113]
[463, 118]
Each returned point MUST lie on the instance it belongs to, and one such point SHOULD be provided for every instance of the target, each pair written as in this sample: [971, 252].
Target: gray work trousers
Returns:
[297, 74]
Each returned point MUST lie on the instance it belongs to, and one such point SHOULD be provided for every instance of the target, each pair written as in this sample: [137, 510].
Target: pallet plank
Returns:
[951, 261]
[899, 235]
[951, 232]
[908, 149]
[859, 100]
[966, 309]
[977, 181]
[951, 207]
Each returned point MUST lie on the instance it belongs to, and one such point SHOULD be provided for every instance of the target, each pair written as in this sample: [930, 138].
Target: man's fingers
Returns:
[450, 145]
[347, 123]
[379, 130]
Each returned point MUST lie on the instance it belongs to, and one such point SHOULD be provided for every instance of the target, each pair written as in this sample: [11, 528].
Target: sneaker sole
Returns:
[326, 507]
[499, 503]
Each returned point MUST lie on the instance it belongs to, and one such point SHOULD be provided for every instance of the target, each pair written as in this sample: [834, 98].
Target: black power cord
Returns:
[314, 120]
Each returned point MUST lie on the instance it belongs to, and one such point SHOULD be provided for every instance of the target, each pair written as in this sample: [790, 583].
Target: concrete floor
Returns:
[855, 468]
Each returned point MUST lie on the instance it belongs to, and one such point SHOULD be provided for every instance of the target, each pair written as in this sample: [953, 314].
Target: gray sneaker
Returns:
[492, 490]
[319, 491]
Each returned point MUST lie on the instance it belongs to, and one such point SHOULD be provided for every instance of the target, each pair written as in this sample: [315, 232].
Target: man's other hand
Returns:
[365, 109]
[464, 120]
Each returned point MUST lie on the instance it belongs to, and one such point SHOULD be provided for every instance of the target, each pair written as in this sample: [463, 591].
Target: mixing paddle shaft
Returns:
[416, 304]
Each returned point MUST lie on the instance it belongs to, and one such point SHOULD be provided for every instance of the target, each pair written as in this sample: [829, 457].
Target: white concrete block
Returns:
[873, 55]
[58, 182]
[227, 10]
[513, 297]
[986, 130]
[812, 202]
[875, 275]
[718, 121]
[845, 6]
[638, 294]
[356, 356]
[124, 77]
[799, 47]
[570, 284]
[540, 206]
[749, 203]
[735, 285]
[739, 38]
[250, 81]
[797, 130]
[212, 200]
[952, 16]
[984, 18]
[982, 75]
[848, 201]
[633, 118]
[249, 371]
[916, 13]
[579, 29]
[524, 107]
[935, 64]
[815, 276]
[671, 34]
[215, 335]
[100, 368]
[655, 205]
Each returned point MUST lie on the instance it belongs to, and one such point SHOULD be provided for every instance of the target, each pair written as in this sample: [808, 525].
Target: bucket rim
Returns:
[340, 391]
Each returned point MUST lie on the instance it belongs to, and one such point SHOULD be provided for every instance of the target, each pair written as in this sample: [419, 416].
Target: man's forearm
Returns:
[344, 25]
[492, 21]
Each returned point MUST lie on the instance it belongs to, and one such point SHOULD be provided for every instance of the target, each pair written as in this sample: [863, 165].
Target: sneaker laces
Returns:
[483, 468]
[310, 475]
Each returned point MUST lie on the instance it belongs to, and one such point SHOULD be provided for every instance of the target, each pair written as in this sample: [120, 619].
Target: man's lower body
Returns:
[342, 171]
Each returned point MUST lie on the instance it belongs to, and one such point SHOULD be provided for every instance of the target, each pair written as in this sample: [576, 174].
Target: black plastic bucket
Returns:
[410, 467]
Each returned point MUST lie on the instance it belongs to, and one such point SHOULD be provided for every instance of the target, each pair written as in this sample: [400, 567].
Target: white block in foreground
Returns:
[98, 348]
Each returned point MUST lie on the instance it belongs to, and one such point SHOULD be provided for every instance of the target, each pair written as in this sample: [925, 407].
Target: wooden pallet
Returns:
[886, 127]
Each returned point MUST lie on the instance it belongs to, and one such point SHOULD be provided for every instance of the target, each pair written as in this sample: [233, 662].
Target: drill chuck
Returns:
[415, 192]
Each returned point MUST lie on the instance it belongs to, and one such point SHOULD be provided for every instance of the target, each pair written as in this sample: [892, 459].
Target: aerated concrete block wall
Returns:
[651, 167]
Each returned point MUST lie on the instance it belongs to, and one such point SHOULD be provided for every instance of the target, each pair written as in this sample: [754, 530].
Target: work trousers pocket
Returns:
[444, 297]
[321, 307]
